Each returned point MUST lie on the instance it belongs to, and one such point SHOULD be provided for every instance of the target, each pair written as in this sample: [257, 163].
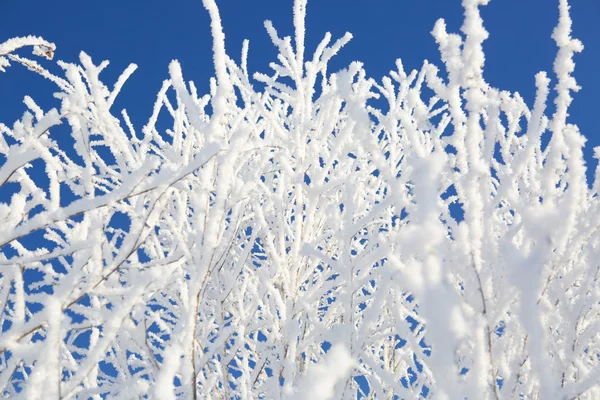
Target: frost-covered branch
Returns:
[297, 239]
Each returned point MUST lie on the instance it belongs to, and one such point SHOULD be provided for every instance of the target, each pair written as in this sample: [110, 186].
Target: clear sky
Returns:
[151, 33]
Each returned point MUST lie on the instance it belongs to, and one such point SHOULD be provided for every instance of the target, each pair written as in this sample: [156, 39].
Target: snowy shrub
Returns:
[301, 234]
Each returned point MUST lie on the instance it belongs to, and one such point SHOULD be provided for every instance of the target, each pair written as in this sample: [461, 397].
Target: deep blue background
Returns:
[151, 33]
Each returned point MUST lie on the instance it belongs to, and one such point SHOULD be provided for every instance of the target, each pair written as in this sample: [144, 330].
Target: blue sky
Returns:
[151, 33]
